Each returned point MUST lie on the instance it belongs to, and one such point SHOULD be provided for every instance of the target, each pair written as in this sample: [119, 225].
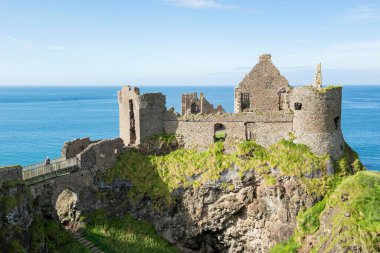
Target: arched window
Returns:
[219, 132]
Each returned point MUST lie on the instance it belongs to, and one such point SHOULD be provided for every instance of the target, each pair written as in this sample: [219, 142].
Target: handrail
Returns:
[37, 165]
[40, 169]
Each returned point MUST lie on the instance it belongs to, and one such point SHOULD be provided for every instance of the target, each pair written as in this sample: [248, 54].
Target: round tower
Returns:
[317, 119]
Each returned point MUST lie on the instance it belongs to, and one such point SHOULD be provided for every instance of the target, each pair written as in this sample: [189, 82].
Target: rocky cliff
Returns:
[250, 201]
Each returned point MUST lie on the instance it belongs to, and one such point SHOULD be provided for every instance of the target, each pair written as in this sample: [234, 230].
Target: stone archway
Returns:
[66, 206]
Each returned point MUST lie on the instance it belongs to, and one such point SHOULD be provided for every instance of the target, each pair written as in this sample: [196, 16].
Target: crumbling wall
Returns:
[101, 155]
[10, 173]
[140, 116]
[128, 99]
[261, 89]
[71, 148]
[198, 131]
[151, 115]
[317, 119]
[190, 104]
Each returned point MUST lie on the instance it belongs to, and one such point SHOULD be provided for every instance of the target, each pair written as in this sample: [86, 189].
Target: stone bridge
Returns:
[75, 171]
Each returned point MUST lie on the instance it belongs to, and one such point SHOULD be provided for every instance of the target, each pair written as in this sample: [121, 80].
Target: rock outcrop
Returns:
[227, 216]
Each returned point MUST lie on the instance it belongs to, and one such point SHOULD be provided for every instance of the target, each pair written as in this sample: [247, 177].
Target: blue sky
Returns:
[186, 42]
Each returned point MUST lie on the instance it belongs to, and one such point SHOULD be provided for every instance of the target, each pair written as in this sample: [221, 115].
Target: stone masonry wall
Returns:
[197, 131]
[72, 148]
[101, 155]
[10, 173]
[151, 115]
[126, 96]
[317, 120]
[263, 84]
[148, 111]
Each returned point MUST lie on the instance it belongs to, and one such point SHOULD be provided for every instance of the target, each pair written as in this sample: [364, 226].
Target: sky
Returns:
[186, 42]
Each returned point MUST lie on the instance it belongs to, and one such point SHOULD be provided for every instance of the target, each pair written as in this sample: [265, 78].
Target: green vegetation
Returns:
[54, 236]
[164, 138]
[327, 88]
[9, 201]
[351, 212]
[124, 234]
[157, 176]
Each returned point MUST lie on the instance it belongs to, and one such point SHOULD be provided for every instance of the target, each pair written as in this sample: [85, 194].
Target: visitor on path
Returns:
[47, 161]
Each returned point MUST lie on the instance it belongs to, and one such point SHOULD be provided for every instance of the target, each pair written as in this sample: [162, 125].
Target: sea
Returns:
[36, 121]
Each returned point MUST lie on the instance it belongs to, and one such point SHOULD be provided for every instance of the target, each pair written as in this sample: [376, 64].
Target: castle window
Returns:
[297, 106]
[132, 129]
[194, 108]
[281, 99]
[219, 132]
[244, 101]
[336, 122]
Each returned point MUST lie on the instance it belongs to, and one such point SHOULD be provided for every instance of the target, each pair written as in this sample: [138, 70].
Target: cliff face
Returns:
[244, 216]
[215, 202]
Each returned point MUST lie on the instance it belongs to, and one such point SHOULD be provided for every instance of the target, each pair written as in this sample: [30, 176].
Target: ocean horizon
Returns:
[35, 121]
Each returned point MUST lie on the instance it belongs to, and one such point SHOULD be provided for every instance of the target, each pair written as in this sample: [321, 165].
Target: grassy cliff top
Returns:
[157, 176]
[348, 218]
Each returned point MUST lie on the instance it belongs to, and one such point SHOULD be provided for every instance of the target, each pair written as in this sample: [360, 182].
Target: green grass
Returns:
[156, 176]
[10, 202]
[327, 88]
[54, 236]
[165, 138]
[124, 234]
[360, 227]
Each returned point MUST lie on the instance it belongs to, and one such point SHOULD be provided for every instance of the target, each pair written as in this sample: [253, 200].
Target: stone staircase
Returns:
[89, 245]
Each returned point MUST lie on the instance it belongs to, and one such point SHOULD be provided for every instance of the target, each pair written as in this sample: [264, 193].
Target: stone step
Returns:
[86, 243]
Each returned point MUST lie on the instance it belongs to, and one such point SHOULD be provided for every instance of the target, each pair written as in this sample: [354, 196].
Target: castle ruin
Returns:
[267, 109]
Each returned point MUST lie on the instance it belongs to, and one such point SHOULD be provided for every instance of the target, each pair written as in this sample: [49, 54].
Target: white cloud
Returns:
[369, 12]
[200, 4]
[24, 43]
[55, 48]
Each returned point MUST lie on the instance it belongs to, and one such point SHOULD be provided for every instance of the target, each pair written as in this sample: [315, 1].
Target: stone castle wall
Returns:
[198, 131]
[263, 87]
[191, 104]
[152, 110]
[317, 120]
[267, 109]
[71, 148]
[126, 95]
[140, 116]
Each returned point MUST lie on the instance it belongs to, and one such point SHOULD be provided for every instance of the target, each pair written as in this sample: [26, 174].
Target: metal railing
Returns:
[42, 171]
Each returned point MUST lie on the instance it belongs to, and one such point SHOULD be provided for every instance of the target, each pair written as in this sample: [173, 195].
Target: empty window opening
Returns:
[297, 106]
[219, 132]
[336, 122]
[281, 100]
[194, 108]
[244, 101]
[132, 128]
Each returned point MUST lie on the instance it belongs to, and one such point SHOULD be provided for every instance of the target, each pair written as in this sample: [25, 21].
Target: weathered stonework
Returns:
[267, 109]
[140, 116]
[72, 148]
[191, 104]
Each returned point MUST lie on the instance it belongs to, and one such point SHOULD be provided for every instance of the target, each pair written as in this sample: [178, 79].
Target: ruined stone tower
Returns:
[140, 116]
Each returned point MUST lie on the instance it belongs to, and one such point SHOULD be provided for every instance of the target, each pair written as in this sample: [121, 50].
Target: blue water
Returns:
[36, 121]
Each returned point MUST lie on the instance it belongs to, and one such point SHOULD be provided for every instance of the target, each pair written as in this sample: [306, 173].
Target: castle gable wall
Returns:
[260, 89]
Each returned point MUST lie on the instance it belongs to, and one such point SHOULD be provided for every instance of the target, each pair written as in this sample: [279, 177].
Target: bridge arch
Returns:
[66, 207]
